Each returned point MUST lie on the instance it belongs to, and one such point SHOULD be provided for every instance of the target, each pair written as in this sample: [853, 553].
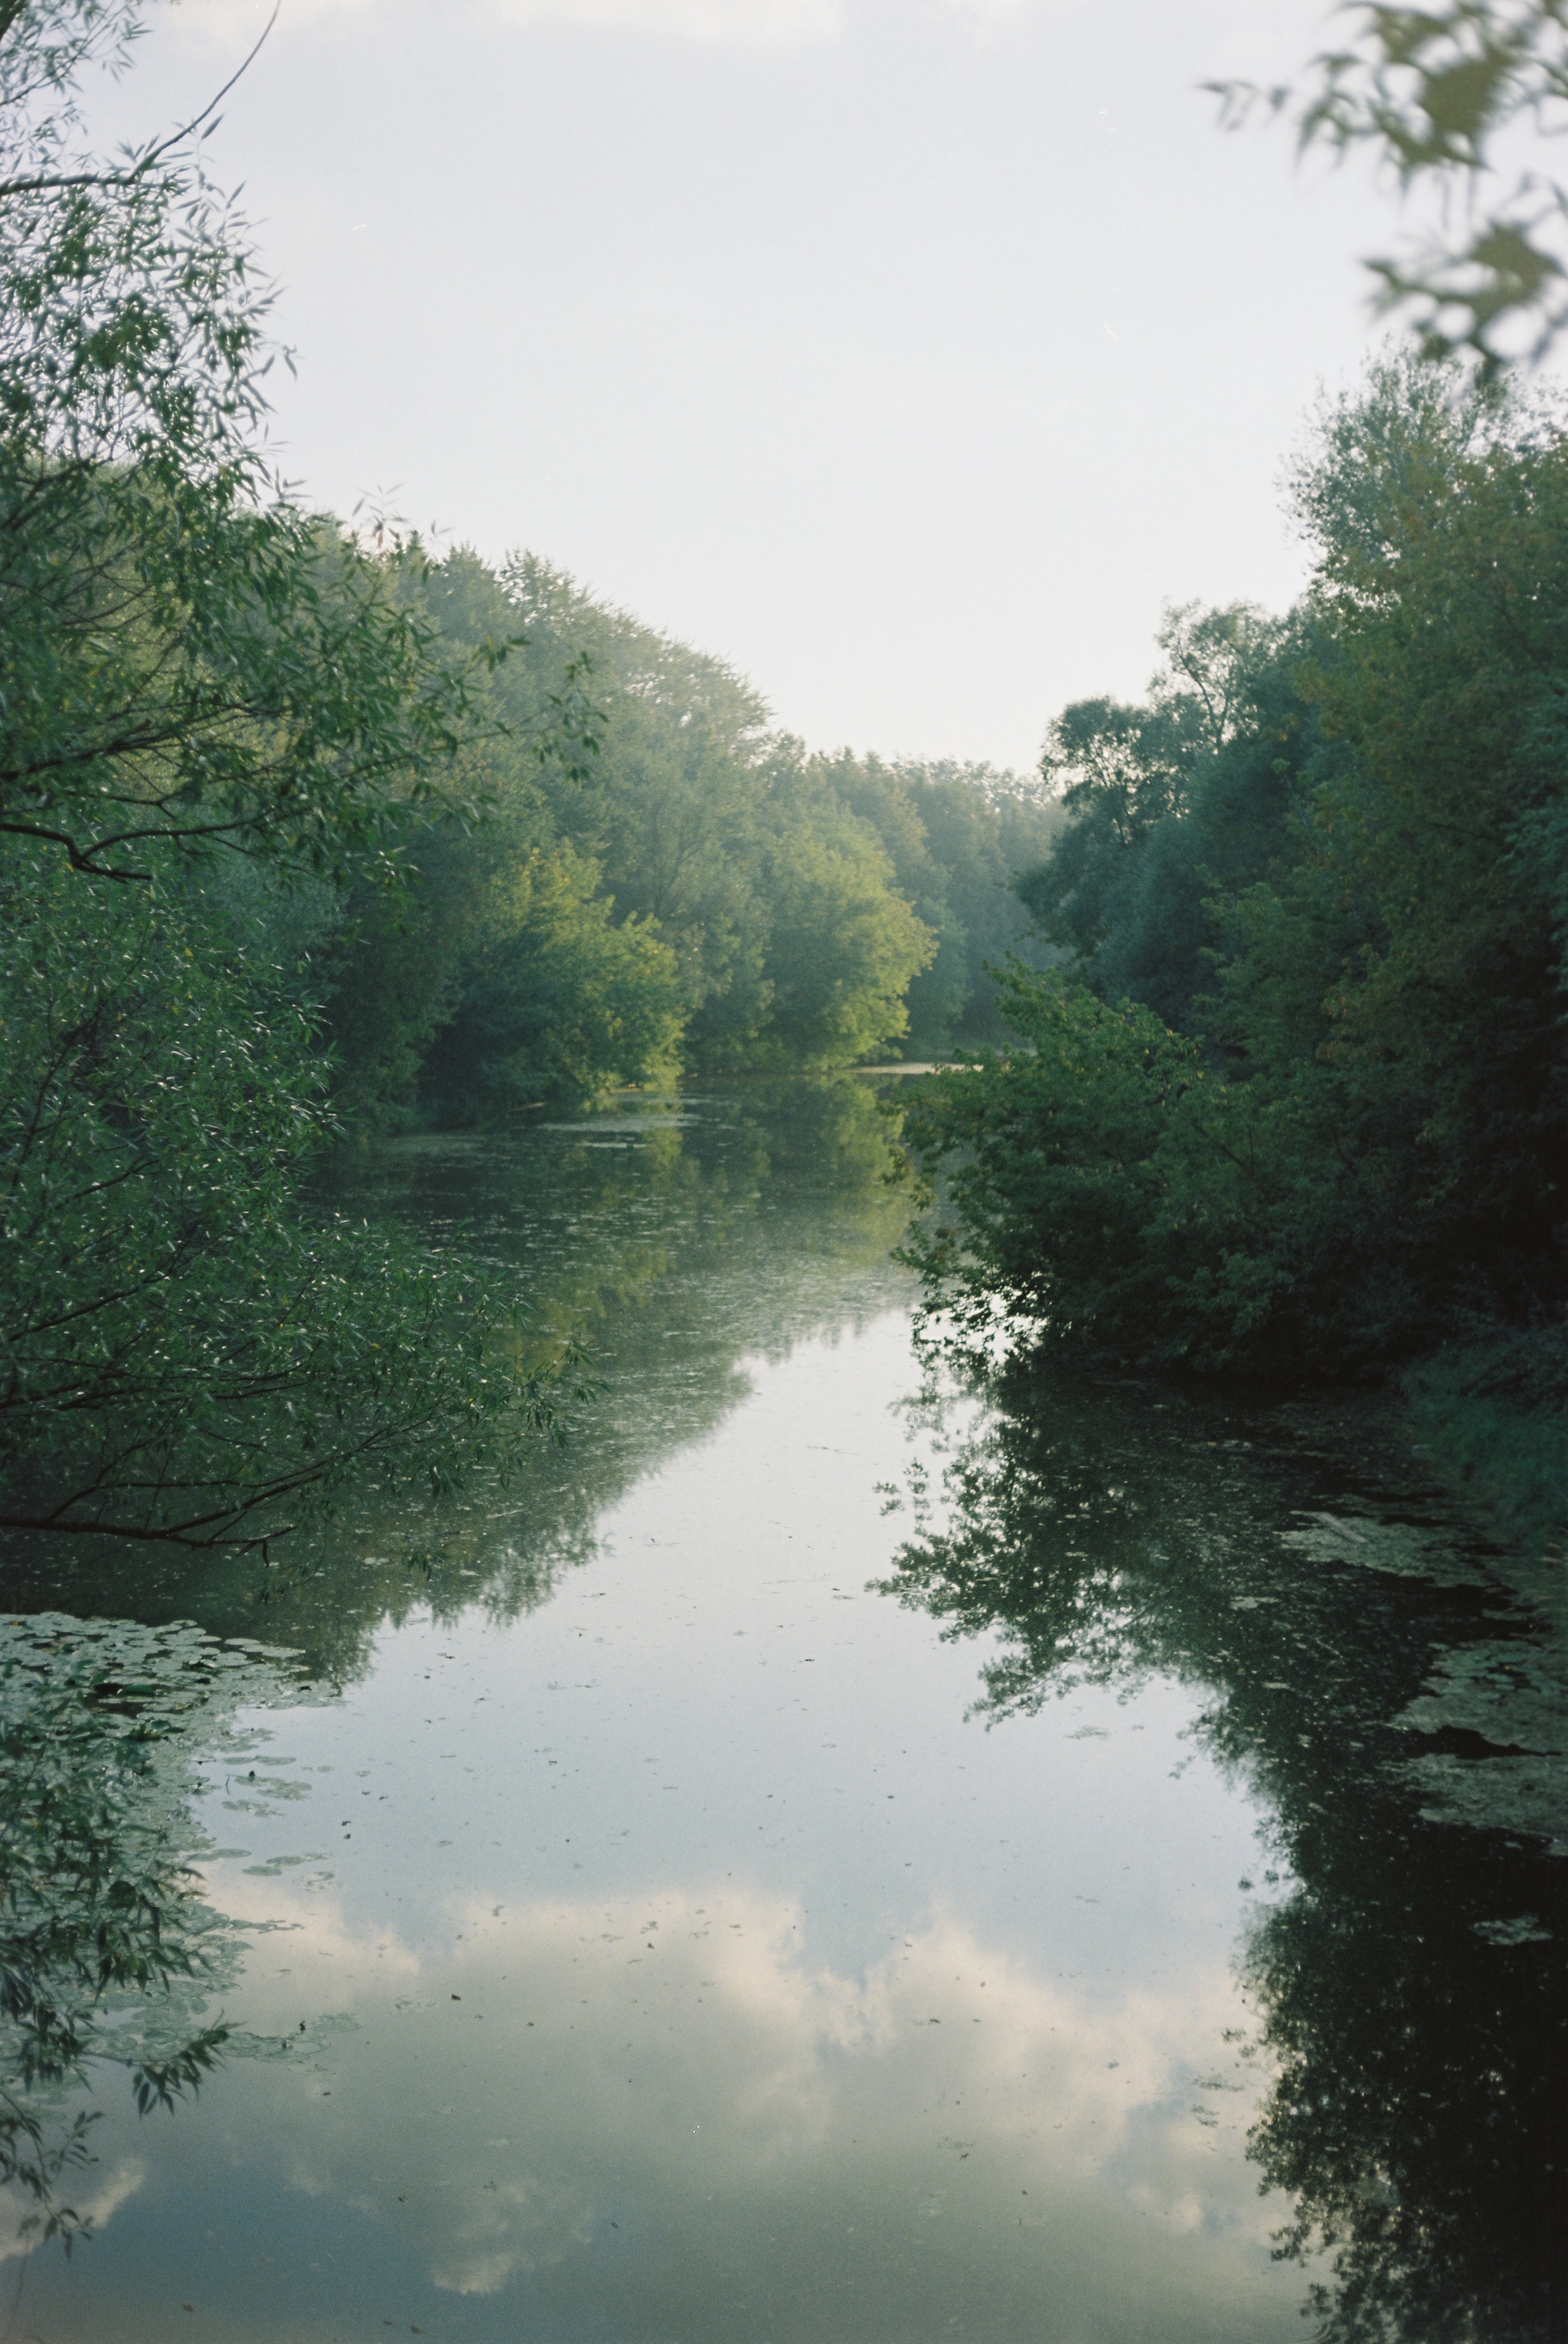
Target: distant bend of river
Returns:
[841, 1852]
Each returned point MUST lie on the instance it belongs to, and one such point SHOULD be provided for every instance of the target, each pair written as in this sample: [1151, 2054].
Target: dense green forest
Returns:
[1294, 1106]
[303, 829]
[657, 881]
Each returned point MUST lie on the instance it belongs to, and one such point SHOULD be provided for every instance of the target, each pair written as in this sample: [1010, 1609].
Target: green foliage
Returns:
[556, 1000]
[1165, 800]
[186, 655]
[1114, 1192]
[108, 1956]
[1432, 94]
[673, 811]
[793, 941]
[496, 978]
[842, 943]
[679, 883]
[956, 836]
[1305, 1107]
[1422, 871]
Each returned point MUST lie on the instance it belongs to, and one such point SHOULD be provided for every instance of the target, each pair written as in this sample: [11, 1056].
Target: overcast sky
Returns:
[909, 354]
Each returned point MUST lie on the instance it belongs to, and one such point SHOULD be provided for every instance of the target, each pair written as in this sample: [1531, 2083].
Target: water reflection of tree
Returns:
[108, 1956]
[1411, 1998]
[675, 1241]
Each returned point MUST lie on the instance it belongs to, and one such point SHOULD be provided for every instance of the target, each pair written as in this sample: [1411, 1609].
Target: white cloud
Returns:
[711, 2057]
[95, 2206]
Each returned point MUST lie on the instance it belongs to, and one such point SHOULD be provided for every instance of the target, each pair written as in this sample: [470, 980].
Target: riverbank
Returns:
[1492, 1417]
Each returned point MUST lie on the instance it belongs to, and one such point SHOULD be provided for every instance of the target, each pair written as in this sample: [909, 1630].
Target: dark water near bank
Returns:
[837, 1855]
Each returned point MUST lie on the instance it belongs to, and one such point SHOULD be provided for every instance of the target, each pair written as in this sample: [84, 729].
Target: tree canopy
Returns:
[1297, 1103]
[680, 885]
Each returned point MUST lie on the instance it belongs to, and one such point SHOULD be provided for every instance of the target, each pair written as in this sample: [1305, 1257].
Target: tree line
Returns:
[659, 880]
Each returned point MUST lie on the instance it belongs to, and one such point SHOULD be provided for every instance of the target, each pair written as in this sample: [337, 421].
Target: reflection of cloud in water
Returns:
[108, 2192]
[677, 2068]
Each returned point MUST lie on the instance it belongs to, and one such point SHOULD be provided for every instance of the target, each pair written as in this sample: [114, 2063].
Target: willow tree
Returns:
[193, 668]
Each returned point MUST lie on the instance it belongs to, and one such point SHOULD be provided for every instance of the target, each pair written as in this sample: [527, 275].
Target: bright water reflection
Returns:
[701, 1967]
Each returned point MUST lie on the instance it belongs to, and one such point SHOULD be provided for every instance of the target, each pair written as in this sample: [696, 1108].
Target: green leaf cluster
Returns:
[1437, 96]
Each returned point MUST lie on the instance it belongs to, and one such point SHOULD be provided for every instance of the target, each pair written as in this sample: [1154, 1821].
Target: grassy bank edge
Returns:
[1491, 1416]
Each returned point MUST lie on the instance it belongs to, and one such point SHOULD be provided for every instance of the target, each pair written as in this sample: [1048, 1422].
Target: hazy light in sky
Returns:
[909, 354]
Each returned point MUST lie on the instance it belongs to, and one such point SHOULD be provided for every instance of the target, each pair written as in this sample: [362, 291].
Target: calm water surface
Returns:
[839, 1856]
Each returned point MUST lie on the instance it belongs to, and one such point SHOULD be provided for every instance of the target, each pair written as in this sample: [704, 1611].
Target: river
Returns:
[844, 1852]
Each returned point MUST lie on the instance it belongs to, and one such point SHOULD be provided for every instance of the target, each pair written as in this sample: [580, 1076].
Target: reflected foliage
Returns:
[1408, 1973]
[108, 1954]
[676, 1240]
